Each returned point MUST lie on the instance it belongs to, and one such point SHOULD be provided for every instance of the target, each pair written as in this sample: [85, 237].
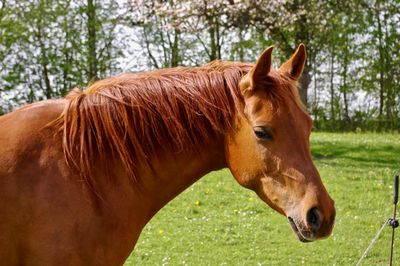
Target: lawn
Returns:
[217, 222]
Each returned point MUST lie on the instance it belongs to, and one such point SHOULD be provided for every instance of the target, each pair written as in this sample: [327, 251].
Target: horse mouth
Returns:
[297, 231]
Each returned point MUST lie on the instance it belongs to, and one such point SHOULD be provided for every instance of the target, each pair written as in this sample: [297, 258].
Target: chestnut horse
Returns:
[80, 177]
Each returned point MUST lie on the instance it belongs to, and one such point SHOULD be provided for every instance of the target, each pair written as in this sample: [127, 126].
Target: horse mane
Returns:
[136, 116]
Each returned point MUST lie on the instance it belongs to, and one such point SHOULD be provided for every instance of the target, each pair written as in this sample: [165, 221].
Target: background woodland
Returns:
[351, 80]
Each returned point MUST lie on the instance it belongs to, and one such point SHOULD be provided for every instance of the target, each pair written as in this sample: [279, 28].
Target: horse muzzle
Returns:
[315, 225]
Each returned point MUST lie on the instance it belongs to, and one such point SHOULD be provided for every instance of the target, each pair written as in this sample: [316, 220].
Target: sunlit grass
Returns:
[217, 222]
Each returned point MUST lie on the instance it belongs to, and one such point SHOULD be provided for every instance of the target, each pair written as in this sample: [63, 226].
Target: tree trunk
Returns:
[303, 36]
[344, 86]
[388, 70]
[166, 53]
[305, 81]
[91, 27]
[175, 59]
[217, 39]
[331, 85]
[381, 67]
[241, 41]
[48, 92]
[153, 60]
[213, 45]
[316, 100]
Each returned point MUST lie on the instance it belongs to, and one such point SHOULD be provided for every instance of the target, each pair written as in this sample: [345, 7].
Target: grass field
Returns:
[217, 222]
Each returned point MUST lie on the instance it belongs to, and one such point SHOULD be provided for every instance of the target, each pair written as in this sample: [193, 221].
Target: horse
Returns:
[81, 176]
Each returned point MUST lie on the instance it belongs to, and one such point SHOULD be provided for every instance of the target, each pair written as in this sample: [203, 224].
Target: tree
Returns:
[351, 78]
[43, 49]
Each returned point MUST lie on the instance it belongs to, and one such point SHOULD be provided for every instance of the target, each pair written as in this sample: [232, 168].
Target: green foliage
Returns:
[217, 222]
[359, 122]
[350, 81]
[44, 48]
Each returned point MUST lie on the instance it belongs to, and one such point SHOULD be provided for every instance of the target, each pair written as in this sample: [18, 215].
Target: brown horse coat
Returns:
[80, 177]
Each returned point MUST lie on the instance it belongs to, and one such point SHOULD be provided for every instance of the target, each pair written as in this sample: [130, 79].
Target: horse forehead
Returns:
[284, 113]
[259, 106]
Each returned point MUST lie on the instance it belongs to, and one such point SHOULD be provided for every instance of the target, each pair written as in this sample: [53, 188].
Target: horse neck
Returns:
[171, 174]
[134, 204]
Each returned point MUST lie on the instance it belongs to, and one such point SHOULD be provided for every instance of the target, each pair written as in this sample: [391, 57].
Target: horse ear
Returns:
[261, 69]
[259, 72]
[295, 65]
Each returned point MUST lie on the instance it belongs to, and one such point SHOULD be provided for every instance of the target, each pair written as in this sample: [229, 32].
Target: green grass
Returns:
[217, 222]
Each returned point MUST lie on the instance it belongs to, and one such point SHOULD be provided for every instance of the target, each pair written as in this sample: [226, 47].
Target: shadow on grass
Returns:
[357, 155]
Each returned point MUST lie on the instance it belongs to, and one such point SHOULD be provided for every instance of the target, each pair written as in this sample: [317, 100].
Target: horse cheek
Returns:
[242, 158]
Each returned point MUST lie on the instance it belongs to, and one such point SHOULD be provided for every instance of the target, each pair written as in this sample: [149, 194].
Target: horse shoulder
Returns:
[23, 133]
[43, 201]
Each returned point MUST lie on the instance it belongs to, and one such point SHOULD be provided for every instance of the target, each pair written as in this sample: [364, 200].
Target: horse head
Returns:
[268, 150]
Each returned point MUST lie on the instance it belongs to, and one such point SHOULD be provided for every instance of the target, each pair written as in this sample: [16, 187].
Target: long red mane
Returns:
[134, 117]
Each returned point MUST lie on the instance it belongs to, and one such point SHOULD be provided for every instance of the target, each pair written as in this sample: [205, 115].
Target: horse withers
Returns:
[80, 177]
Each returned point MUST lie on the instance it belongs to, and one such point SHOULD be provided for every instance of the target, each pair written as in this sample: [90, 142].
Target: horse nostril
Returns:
[314, 219]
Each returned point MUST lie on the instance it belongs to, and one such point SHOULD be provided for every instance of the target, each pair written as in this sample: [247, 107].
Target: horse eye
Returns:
[262, 133]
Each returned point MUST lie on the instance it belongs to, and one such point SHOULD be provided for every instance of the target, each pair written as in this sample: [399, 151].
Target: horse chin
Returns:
[299, 233]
